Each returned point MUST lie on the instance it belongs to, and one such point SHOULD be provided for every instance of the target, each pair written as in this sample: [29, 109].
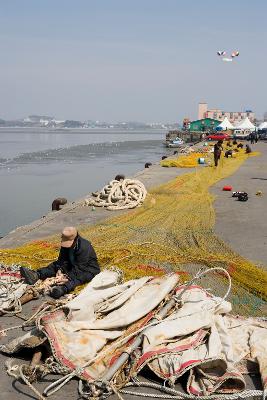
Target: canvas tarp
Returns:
[207, 343]
[199, 335]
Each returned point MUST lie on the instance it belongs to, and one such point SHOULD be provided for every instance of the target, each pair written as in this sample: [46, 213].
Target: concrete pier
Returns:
[242, 225]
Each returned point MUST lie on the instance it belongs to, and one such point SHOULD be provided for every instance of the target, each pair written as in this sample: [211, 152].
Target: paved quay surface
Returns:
[242, 225]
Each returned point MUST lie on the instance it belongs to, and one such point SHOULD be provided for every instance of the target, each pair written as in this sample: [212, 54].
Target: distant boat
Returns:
[176, 143]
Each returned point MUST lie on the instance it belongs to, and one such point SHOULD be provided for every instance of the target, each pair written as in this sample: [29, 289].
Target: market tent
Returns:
[245, 124]
[263, 125]
[225, 124]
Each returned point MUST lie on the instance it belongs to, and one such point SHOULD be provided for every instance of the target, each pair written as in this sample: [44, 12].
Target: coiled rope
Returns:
[119, 195]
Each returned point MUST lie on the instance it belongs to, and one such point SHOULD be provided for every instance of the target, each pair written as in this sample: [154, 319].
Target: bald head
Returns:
[68, 236]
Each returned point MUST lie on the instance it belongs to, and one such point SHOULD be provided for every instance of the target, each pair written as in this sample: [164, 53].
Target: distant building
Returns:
[216, 113]
[204, 125]
[37, 118]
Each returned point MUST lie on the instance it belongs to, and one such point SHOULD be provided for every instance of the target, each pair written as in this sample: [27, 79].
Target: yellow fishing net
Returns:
[205, 153]
[184, 161]
[172, 231]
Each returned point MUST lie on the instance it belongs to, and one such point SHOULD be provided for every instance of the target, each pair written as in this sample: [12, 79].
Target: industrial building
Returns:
[217, 114]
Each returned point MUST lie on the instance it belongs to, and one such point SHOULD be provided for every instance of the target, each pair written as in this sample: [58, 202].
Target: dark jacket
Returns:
[217, 149]
[78, 262]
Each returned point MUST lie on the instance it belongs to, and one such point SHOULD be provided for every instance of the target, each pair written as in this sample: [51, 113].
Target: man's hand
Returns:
[60, 278]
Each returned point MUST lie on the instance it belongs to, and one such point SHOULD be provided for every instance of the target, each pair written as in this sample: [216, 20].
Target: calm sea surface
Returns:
[38, 165]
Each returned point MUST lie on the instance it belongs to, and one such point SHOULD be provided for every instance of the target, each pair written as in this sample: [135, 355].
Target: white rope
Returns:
[55, 386]
[7, 294]
[175, 394]
[243, 395]
[41, 311]
[119, 195]
[17, 371]
[27, 382]
[9, 285]
[171, 393]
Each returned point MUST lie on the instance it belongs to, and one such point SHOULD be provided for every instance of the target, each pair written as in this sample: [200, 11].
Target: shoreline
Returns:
[156, 131]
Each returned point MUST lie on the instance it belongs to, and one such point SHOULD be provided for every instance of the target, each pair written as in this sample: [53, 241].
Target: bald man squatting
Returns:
[77, 260]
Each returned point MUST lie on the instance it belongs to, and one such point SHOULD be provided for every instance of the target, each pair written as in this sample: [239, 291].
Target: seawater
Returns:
[37, 165]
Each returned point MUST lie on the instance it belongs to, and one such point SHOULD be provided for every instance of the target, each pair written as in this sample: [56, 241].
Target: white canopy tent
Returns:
[263, 125]
[246, 124]
[226, 124]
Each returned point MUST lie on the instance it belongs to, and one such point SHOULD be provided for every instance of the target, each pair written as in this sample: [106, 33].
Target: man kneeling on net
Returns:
[77, 262]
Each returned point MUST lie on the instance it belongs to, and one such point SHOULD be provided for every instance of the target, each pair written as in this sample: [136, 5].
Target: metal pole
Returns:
[136, 343]
[138, 340]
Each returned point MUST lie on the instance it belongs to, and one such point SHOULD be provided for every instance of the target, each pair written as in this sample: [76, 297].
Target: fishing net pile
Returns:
[204, 153]
[185, 161]
[172, 231]
[153, 323]
[119, 195]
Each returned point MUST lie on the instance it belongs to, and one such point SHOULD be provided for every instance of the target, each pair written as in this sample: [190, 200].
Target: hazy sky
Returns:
[142, 60]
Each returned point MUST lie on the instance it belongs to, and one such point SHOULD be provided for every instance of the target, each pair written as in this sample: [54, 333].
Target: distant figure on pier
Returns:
[77, 264]
[217, 152]
[252, 137]
[228, 153]
[256, 137]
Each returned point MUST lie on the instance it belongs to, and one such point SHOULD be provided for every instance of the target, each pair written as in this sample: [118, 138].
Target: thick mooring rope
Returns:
[119, 195]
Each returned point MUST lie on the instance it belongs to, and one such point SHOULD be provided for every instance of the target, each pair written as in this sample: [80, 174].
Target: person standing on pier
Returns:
[77, 263]
[252, 137]
[217, 152]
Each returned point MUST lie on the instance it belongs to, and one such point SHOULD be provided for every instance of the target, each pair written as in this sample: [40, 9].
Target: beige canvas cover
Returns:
[199, 335]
